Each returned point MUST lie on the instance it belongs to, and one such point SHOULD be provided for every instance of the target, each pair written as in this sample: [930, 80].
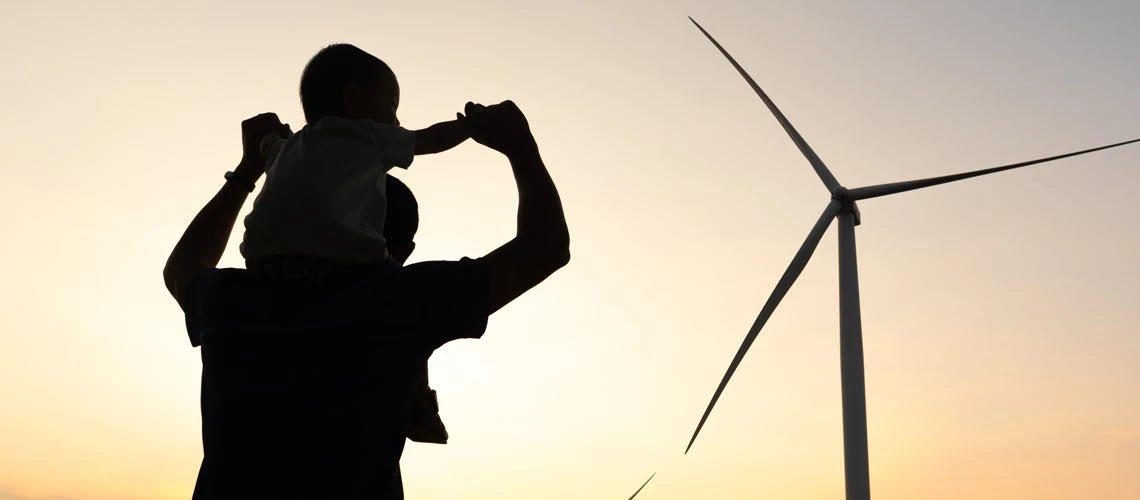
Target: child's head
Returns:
[401, 221]
[342, 80]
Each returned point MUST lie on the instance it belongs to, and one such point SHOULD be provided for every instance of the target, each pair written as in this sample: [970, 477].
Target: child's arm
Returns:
[441, 137]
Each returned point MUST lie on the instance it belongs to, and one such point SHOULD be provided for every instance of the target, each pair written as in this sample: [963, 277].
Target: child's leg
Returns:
[425, 425]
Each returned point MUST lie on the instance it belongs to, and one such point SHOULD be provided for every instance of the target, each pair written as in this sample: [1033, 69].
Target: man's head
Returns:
[401, 221]
[342, 80]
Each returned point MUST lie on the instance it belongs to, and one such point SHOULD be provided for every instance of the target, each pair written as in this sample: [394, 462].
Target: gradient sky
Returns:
[999, 314]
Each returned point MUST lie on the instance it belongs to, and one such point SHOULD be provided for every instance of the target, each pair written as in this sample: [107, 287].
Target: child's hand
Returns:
[267, 142]
[501, 127]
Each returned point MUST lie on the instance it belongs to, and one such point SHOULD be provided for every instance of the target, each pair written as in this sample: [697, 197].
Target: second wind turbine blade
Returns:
[803, 255]
[642, 486]
[817, 164]
[864, 193]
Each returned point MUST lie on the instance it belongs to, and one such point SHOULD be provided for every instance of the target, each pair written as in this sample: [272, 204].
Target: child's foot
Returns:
[425, 425]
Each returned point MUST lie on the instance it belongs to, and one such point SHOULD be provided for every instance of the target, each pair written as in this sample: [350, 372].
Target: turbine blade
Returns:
[642, 486]
[790, 274]
[864, 193]
[820, 169]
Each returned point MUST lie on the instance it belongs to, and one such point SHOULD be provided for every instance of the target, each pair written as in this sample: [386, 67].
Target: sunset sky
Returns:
[1000, 314]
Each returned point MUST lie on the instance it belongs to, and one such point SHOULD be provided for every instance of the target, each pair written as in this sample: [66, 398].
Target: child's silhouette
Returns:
[323, 207]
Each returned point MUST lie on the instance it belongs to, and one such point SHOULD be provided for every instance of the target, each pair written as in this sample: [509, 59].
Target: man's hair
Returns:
[403, 217]
[333, 69]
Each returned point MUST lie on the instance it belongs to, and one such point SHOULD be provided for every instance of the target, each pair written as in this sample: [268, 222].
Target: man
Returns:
[306, 392]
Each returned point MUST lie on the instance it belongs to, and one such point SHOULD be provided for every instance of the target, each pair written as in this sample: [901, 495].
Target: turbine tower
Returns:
[842, 206]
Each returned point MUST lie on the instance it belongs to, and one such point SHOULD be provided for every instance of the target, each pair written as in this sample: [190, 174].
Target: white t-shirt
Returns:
[324, 192]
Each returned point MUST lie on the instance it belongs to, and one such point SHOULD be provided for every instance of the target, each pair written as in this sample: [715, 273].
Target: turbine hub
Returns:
[841, 194]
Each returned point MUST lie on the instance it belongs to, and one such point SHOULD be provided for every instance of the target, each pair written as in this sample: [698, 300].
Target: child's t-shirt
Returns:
[324, 191]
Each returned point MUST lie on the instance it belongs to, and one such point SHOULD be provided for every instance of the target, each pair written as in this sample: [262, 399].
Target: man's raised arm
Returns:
[542, 241]
[204, 241]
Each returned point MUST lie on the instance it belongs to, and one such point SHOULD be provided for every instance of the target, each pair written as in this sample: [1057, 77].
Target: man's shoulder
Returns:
[443, 299]
[383, 277]
[436, 272]
[432, 302]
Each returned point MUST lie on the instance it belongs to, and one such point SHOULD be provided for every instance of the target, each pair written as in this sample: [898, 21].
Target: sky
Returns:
[999, 313]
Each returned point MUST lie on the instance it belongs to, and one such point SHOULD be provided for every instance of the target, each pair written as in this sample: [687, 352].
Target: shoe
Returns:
[426, 426]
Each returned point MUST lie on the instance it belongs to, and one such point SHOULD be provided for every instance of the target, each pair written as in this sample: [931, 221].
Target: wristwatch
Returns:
[240, 179]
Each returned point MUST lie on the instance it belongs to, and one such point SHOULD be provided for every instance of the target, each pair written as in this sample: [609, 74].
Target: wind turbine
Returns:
[842, 206]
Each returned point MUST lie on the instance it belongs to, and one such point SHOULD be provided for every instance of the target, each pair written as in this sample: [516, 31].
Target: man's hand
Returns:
[254, 132]
[203, 242]
[501, 127]
[541, 244]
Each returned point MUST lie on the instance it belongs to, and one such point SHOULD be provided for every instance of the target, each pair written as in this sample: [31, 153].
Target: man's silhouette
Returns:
[306, 391]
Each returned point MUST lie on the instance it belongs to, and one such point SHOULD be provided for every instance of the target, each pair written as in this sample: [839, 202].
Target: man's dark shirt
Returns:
[306, 392]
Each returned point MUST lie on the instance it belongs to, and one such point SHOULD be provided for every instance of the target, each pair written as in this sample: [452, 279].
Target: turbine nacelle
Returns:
[846, 203]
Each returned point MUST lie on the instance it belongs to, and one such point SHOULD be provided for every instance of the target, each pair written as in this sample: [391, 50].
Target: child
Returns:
[323, 206]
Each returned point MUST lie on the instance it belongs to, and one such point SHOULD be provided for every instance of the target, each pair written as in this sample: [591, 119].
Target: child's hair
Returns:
[332, 70]
[403, 217]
